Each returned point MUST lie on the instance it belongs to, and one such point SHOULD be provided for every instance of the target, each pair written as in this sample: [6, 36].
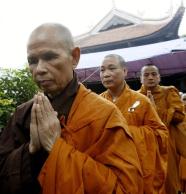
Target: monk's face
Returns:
[111, 73]
[150, 76]
[50, 63]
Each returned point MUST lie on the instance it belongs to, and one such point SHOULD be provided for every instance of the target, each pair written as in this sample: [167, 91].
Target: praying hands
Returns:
[44, 127]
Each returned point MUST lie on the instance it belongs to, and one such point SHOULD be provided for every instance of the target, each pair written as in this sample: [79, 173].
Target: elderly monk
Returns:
[71, 139]
[170, 109]
[149, 133]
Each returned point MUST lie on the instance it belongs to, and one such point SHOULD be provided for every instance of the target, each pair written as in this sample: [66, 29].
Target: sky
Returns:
[19, 17]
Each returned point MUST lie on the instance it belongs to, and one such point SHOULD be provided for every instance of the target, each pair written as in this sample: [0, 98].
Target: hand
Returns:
[150, 96]
[34, 144]
[49, 128]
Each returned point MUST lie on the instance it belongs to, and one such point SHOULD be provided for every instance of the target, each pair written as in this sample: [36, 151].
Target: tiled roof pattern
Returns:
[118, 34]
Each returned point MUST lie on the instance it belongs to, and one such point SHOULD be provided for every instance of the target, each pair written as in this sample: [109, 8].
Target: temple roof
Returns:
[118, 34]
[118, 29]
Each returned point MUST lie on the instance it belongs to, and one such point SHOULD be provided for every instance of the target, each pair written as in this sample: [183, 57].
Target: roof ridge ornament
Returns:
[113, 5]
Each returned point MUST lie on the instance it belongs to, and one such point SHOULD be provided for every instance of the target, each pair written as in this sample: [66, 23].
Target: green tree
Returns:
[16, 87]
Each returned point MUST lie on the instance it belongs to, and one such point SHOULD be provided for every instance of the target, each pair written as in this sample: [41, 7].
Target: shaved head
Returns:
[54, 32]
[150, 76]
[119, 58]
[149, 65]
[52, 57]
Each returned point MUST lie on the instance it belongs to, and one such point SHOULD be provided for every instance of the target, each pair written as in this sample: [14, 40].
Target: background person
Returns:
[169, 107]
[149, 133]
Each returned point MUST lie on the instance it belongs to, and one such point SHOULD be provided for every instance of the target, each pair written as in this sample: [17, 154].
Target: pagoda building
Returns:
[139, 41]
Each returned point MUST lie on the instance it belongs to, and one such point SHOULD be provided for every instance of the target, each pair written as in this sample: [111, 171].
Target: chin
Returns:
[151, 86]
[108, 86]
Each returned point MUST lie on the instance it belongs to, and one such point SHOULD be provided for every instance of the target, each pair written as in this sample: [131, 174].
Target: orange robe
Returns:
[149, 133]
[170, 110]
[96, 153]
[183, 168]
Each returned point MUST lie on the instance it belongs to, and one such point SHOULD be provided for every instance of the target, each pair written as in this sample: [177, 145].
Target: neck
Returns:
[53, 95]
[150, 88]
[116, 92]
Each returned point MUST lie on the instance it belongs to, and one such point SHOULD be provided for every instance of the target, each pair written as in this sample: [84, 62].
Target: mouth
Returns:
[151, 82]
[107, 81]
[44, 82]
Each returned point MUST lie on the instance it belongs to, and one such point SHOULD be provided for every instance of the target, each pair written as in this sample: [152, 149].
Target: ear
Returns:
[125, 70]
[76, 56]
[159, 78]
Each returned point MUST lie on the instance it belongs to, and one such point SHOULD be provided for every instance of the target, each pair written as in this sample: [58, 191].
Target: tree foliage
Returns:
[16, 87]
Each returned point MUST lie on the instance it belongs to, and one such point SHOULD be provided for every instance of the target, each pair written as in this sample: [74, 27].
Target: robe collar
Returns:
[155, 90]
[62, 103]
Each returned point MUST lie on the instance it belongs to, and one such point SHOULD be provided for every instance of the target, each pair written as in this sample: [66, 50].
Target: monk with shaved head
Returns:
[149, 133]
[67, 139]
[170, 109]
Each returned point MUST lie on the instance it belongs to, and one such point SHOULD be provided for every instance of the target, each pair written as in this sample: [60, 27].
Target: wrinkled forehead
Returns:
[149, 69]
[44, 36]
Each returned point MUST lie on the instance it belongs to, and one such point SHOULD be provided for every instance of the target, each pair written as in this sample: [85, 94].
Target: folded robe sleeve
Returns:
[113, 169]
[179, 132]
[18, 169]
[151, 141]
[175, 112]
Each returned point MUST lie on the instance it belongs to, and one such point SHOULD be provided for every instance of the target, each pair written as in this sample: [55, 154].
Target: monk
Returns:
[170, 109]
[67, 139]
[149, 133]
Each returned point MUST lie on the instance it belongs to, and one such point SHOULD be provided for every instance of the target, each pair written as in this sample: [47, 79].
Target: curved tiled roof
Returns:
[134, 35]
[118, 34]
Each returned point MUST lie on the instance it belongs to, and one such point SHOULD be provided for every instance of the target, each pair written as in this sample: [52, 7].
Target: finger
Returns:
[41, 105]
[47, 104]
[45, 108]
[39, 115]
[35, 99]
[34, 136]
[33, 115]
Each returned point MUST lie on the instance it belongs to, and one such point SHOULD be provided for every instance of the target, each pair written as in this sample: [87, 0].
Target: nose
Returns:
[106, 74]
[41, 67]
[150, 76]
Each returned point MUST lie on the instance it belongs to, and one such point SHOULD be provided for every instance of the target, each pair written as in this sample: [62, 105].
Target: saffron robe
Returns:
[183, 167]
[96, 153]
[149, 133]
[171, 111]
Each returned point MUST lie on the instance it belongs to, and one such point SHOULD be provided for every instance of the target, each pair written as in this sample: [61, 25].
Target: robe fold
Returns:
[149, 133]
[183, 158]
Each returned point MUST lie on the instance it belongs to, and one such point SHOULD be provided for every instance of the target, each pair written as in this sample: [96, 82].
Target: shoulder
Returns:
[169, 88]
[23, 110]
[94, 104]
[98, 109]
[25, 106]
[99, 100]
[140, 96]
[105, 93]
[92, 99]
